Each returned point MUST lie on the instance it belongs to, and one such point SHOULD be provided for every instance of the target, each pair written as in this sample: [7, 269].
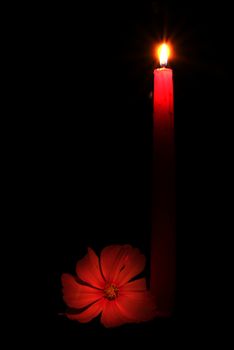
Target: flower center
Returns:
[111, 291]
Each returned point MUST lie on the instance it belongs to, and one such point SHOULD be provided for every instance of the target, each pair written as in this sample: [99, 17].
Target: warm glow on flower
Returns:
[106, 287]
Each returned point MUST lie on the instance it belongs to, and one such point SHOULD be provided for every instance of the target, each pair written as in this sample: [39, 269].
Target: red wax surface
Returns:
[162, 283]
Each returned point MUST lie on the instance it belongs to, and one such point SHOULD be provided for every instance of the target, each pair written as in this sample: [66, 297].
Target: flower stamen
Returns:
[111, 292]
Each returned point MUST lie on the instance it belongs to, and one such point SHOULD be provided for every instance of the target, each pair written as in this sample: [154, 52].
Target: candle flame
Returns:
[163, 53]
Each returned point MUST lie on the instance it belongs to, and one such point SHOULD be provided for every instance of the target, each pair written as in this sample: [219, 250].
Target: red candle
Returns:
[162, 282]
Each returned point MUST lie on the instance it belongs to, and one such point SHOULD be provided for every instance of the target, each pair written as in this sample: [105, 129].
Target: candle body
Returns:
[162, 282]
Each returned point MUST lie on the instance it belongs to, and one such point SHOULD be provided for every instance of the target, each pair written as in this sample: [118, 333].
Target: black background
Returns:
[94, 173]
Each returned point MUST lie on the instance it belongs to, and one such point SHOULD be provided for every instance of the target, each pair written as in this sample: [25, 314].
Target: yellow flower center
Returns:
[111, 291]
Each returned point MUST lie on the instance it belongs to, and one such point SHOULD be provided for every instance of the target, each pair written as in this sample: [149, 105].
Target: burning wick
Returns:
[163, 53]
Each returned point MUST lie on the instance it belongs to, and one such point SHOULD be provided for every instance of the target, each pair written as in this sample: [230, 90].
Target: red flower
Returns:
[106, 287]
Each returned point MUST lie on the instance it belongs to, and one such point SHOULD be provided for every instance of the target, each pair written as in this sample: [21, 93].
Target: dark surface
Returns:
[96, 116]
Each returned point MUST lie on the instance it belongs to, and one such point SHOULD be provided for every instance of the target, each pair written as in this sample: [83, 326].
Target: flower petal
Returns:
[108, 258]
[134, 264]
[135, 286]
[113, 259]
[136, 306]
[77, 295]
[88, 270]
[88, 314]
[111, 315]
